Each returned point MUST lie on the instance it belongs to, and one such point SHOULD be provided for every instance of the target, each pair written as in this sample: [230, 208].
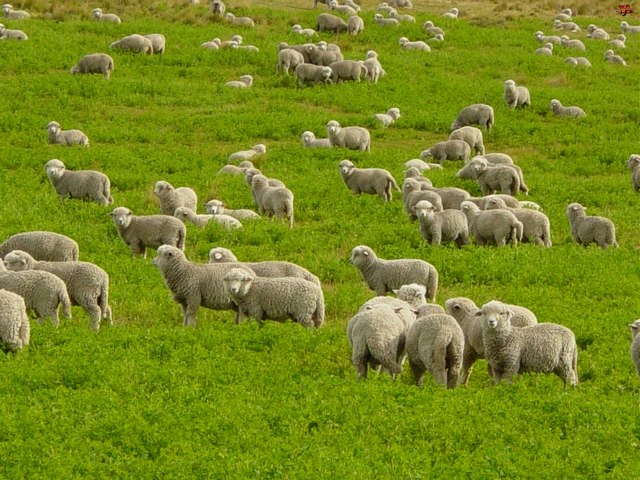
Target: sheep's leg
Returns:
[436, 237]
[418, 373]
[437, 366]
[55, 320]
[94, 314]
[469, 357]
[190, 309]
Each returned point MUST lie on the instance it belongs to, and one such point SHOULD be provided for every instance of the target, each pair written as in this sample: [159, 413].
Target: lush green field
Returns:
[148, 398]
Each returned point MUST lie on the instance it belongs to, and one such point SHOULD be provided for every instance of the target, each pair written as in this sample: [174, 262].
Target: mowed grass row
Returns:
[149, 398]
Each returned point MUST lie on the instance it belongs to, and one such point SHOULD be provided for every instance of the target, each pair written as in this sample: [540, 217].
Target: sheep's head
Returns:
[469, 207]
[557, 23]
[237, 281]
[426, 153]
[377, 17]
[633, 161]
[96, 12]
[539, 34]
[479, 164]
[608, 53]
[54, 169]
[495, 203]
[237, 39]
[460, 307]
[403, 41]
[246, 79]
[635, 328]
[17, 260]
[425, 310]
[496, 316]
[413, 293]
[575, 210]
[121, 216]
[168, 255]
[361, 256]
[412, 172]
[259, 148]
[296, 28]
[229, 16]
[183, 213]
[624, 24]
[346, 167]
[214, 207]
[162, 187]
[394, 113]
[424, 209]
[555, 104]
[509, 85]
[428, 24]
[326, 74]
[221, 255]
[308, 137]
[410, 185]
[333, 127]
[259, 181]
[53, 127]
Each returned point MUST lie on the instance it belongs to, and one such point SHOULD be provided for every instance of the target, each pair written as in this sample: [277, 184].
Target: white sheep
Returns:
[633, 164]
[421, 164]
[245, 81]
[578, 61]
[516, 95]
[575, 44]
[330, 23]
[240, 21]
[374, 181]
[383, 276]
[227, 222]
[57, 136]
[309, 140]
[94, 63]
[134, 43]
[431, 29]
[439, 226]
[171, 198]
[413, 192]
[87, 284]
[347, 70]
[384, 7]
[6, 34]
[571, 26]
[353, 5]
[307, 32]
[553, 39]
[611, 57]
[629, 29]
[436, 38]
[475, 114]
[390, 116]
[217, 8]
[416, 174]
[591, 229]
[402, 18]
[323, 56]
[354, 138]
[536, 226]
[218, 207]
[497, 158]
[257, 149]
[497, 227]
[547, 50]
[41, 245]
[158, 42]
[251, 172]
[596, 33]
[105, 17]
[236, 170]
[11, 14]
[481, 202]
[288, 58]
[15, 330]
[81, 184]
[635, 344]
[272, 201]
[451, 13]
[451, 197]
[307, 73]
[385, 22]
[405, 44]
[344, 9]
[448, 150]
[544, 347]
[281, 299]
[472, 136]
[355, 25]
[373, 66]
[494, 177]
[564, 15]
[402, 3]
[619, 41]
[560, 111]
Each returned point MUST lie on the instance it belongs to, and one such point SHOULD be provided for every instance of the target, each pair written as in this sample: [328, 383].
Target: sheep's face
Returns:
[53, 128]
[161, 187]
[6, 9]
[121, 217]
[237, 282]
[97, 13]
[259, 148]
[460, 307]
[333, 127]
[496, 315]
[424, 210]
[17, 261]
[308, 137]
[576, 210]
[633, 162]
[346, 167]
[181, 213]
[426, 153]
[635, 328]
[55, 169]
[325, 74]
[214, 207]
[246, 79]
[557, 23]
[468, 207]
[509, 85]
[361, 255]
[555, 105]
[166, 255]
[394, 113]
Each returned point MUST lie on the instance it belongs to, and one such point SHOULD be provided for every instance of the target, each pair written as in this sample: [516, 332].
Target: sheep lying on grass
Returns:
[553, 39]
[546, 50]
[421, 164]
[218, 207]
[240, 169]
[570, 26]
[254, 151]
[48, 246]
[497, 227]
[6, 34]
[572, 43]
[81, 184]
[390, 116]
[245, 81]
[14, 323]
[374, 181]
[629, 29]
[171, 198]
[586, 229]
[578, 61]
[227, 222]
[405, 44]
[611, 57]
[94, 63]
[105, 17]
[309, 140]
[635, 344]
[560, 111]
[57, 136]
[619, 41]
[240, 21]
[307, 32]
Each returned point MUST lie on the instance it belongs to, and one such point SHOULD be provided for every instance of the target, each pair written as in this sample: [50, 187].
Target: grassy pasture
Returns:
[148, 398]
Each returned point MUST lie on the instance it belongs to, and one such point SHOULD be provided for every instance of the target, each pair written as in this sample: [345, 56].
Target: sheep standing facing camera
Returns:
[15, 329]
[354, 138]
[94, 63]
[516, 96]
[374, 181]
[590, 229]
[81, 184]
[171, 198]
[57, 136]
[439, 226]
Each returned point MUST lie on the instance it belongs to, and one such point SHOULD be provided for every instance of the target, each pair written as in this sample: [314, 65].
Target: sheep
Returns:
[571, 26]
[217, 44]
[42, 245]
[611, 57]
[240, 21]
[217, 8]
[451, 13]
[619, 41]
[547, 50]
[11, 14]
[258, 149]
[635, 344]
[251, 172]
[451, 197]
[245, 81]
[448, 150]
[354, 138]
[288, 58]
[325, 57]
[383, 276]
[560, 111]
[6, 34]
[405, 44]
[402, 3]
[633, 164]
[412, 193]
[307, 32]
[94, 63]
[225, 221]
[432, 30]
[492, 178]
[249, 48]
[416, 174]
[575, 44]
[578, 61]
[309, 140]
[629, 29]
[564, 15]
[134, 43]
[435, 342]
[402, 18]
[598, 34]
[536, 226]
[374, 67]
[158, 42]
[492, 226]
[87, 284]
[385, 22]
[346, 70]
[140, 232]
[446, 225]
[303, 49]
[516, 96]
[421, 164]
[384, 7]
[346, 9]
[476, 114]
[324, 46]
[272, 201]
[355, 25]
[470, 135]
[105, 17]
[591, 229]
[14, 324]
[307, 73]
[544, 347]
[57, 136]
[509, 201]
[436, 38]
[390, 116]
[171, 198]
[497, 158]
[353, 5]
[269, 268]
[42, 292]
[374, 181]
[330, 23]
[81, 184]
[236, 170]
[218, 207]
[553, 39]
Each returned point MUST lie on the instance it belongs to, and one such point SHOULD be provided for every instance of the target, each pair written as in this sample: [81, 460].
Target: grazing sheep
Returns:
[633, 164]
[391, 115]
[405, 44]
[47, 246]
[402, 18]
[619, 41]
[629, 29]
[575, 44]
[547, 50]
[421, 164]
[544, 347]
[171, 198]
[140, 232]
[227, 222]
[374, 181]
[272, 201]
[236, 170]
[42, 292]
[134, 43]
[87, 284]
[446, 225]
[57, 136]
[611, 57]
[385, 22]
[578, 61]
[590, 229]
[448, 150]
[283, 298]
[571, 26]
[470, 135]
[497, 227]
[412, 192]
[354, 138]
[553, 39]
[240, 21]
[81, 184]
[105, 17]
[451, 13]
[307, 32]
[345, 9]
[347, 70]
[432, 30]
[94, 63]
[308, 73]
[309, 140]
[217, 8]
[491, 177]
[257, 149]
[6, 34]
[303, 49]
[288, 58]
[476, 114]
[560, 111]
[536, 226]
[383, 276]
[245, 81]
[516, 96]
[15, 329]
[635, 344]
[330, 23]
[158, 42]
[355, 25]
[217, 207]
[11, 14]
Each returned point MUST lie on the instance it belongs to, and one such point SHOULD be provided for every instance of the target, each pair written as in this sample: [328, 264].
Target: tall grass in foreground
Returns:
[148, 398]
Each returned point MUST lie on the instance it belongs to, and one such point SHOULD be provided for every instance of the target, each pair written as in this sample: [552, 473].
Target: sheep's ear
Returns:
[632, 326]
[478, 314]
[397, 309]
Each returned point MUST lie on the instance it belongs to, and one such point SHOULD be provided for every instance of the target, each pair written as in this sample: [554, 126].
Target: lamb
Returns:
[355, 25]
[575, 44]
[218, 207]
[41, 245]
[405, 44]
[432, 30]
[134, 43]
[11, 14]
[105, 17]
[547, 50]
[354, 138]
[374, 181]
[435, 342]
[331, 23]
[571, 26]
[171, 198]
[492, 226]
[516, 96]
[633, 164]
[391, 115]
[288, 58]
[564, 15]
[158, 42]
[412, 193]
[225, 221]
[346, 9]
[270, 268]
[402, 18]
[42, 292]
[309, 140]
[94, 63]
[436, 38]
[6, 34]
[629, 29]
[240, 21]
[346, 70]
[451, 13]
[470, 135]
[596, 33]
[611, 57]
[14, 323]
[272, 201]
[476, 114]
[244, 155]
[81, 184]
[445, 225]
[492, 178]
[57, 136]
[217, 8]
[383, 276]
[249, 48]
[619, 41]
[536, 226]
[544, 347]
[307, 73]
[307, 32]
[635, 344]
[236, 170]
[560, 111]
[140, 232]
[325, 57]
[578, 61]
[448, 150]
[590, 229]
[421, 164]
[87, 284]
[245, 81]
[542, 38]
[385, 22]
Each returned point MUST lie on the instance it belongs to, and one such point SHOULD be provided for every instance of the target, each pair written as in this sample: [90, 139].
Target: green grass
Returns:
[148, 398]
